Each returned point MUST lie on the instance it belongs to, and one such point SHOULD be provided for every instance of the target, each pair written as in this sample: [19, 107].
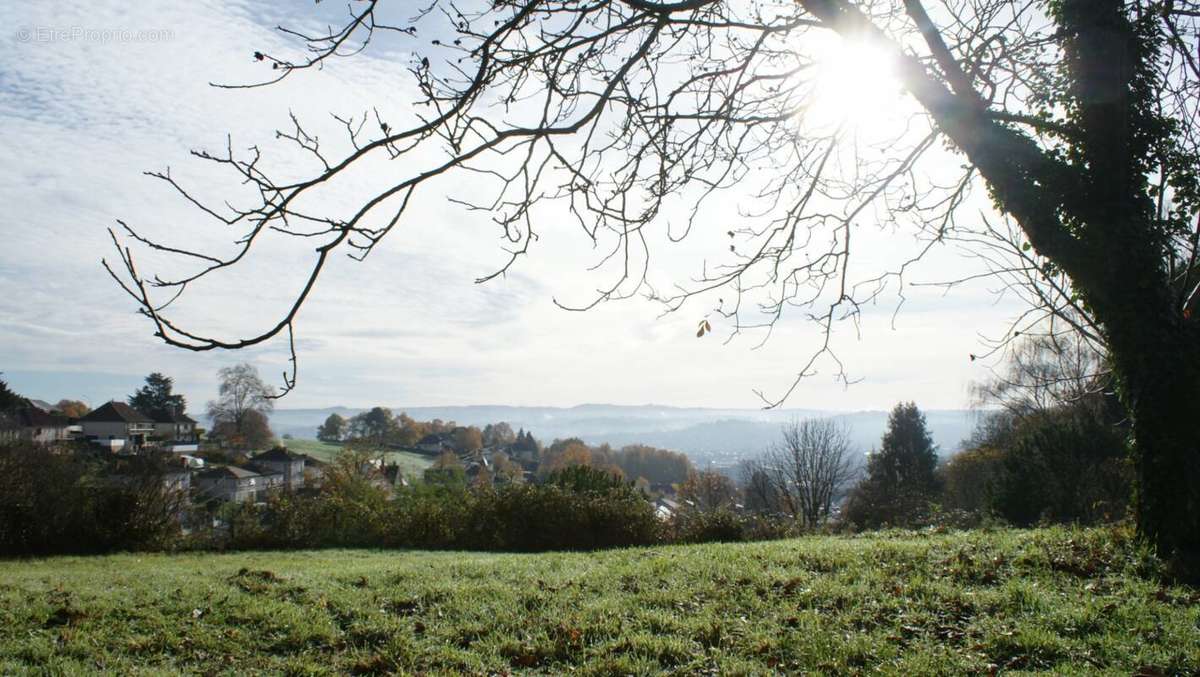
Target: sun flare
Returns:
[855, 84]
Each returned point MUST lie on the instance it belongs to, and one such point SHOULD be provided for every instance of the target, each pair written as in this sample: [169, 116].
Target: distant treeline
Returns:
[637, 463]
[379, 427]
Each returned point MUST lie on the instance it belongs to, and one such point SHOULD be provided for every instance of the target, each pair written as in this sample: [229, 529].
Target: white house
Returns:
[117, 425]
[175, 431]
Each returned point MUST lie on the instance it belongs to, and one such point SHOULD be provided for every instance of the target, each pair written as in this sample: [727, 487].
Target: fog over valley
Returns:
[717, 435]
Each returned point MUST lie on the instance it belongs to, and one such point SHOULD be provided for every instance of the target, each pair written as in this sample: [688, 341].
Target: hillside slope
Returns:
[1075, 602]
[410, 464]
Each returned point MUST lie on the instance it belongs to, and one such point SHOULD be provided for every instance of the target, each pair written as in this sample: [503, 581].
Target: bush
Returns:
[530, 517]
[62, 503]
[873, 504]
[350, 510]
[971, 478]
[1064, 465]
[59, 500]
[430, 517]
[707, 526]
[584, 478]
[576, 510]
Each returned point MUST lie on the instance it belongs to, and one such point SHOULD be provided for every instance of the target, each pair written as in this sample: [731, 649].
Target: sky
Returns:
[93, 94]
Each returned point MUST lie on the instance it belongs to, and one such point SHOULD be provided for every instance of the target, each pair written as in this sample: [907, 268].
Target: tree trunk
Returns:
[1155, 352]
[1161, 384]
[1108, 243]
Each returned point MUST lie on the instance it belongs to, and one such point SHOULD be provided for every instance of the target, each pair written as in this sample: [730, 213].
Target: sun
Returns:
[854, 84]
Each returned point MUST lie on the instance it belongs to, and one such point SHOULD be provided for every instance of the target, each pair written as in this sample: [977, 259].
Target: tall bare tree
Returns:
[1077, 116]
[243, 403]
[1048, 371]
[811, 464]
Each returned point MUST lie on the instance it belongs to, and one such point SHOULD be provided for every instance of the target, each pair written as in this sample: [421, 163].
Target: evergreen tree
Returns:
[9, 400]
[907, 457]
[900, 478]
[156, 397]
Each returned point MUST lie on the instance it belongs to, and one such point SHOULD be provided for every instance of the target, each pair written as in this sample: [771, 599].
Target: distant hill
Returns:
[718, 435]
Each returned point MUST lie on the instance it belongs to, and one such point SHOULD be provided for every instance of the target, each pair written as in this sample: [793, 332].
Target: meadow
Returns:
[410, 464]
[1058, 600]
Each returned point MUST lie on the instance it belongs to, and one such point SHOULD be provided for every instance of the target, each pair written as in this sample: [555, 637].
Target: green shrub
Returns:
[430, 516]
[1066, 464]
[705, 526]
[531, 517]
[970, 479]
[575, 510]
[585, 478]
[59, 500]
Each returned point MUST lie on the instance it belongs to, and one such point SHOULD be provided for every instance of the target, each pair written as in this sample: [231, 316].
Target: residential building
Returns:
[436, 443]
[175, 431]
[178, 480]
[173, 479]
[116, 426]
[314, 470]
[280, 460]
[231, 483]
[32, 424]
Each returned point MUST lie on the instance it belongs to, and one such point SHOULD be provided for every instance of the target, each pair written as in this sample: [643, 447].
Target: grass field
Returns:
[1062, 601]
[413, 464]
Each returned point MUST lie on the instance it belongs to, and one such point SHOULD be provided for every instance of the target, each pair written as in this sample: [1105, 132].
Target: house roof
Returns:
[264, 471]
[228, 471]
[42, 404]
[33, 417]
[278, 454]
[115, 412]
[171, 417]
[437, 438]
[310, 460]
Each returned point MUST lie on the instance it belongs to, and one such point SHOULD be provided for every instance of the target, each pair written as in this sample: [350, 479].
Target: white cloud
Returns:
[81, 119]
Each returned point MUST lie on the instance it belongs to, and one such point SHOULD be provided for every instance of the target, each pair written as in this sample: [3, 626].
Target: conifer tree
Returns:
[156, 397]
[900, 477]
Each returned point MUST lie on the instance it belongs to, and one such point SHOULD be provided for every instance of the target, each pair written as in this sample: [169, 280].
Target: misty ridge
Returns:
[719, 436]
